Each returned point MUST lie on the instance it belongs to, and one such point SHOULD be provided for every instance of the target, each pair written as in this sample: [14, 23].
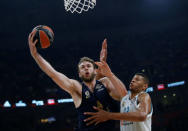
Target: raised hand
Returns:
[104, 69]
[96, 117]
[103, 53]
[32, 43]
[103, 57]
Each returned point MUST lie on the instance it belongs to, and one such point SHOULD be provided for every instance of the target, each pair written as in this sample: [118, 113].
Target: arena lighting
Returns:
[21, 104]
[149, 89]
[176, 84]
[7, 104]
[161, 87]
[48, 120]
[38, 103]
[64, 100]
[51, 102]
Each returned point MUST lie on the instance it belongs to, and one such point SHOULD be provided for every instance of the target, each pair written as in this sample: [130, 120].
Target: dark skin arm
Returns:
[138, 116]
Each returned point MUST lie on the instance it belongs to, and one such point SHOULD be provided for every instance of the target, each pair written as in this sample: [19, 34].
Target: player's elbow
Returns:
[123, 93]
[143, 116]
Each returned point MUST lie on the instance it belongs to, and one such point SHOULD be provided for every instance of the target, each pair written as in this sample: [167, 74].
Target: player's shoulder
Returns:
[76, 85]
[144, 95]
[127, 95]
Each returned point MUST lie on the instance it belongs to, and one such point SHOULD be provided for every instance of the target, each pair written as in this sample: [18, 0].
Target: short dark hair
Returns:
[146, 79]
[87, 59]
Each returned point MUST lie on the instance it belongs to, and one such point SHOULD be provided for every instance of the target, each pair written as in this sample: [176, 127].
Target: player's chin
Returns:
[87, 79]
[131, 88]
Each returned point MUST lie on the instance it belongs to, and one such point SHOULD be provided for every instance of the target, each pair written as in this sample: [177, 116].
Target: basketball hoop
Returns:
[79, 5]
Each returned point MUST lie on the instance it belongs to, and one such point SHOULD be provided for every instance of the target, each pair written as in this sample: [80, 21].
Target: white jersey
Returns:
[131, 105]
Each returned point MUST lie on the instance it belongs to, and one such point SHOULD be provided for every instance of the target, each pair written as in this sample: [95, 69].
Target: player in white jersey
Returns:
[132, 104]
[136, 106]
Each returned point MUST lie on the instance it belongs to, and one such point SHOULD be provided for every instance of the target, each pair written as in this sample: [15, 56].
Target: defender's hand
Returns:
[96, 117]
[32, 43]
[104, 69]
[103, 53]
[103, 57]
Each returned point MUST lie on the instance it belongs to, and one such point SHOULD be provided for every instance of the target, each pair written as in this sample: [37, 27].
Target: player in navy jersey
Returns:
[91, 92]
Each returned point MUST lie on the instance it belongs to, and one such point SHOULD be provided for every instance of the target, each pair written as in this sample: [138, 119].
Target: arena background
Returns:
[147, 36]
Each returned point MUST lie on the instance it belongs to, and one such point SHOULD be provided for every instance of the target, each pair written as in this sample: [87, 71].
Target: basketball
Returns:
[45, 36]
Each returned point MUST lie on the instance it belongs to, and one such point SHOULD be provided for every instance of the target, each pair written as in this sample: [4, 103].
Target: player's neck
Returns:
[133, 94]
[91, 84]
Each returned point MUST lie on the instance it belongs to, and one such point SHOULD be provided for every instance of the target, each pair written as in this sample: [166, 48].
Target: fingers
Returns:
[98, 109]
[90, 123]
[89, 118]
[103, 62]
[98, 71]
[94, 120]
[35, 42]
[104, 44]
[97, 122]
[102, 65]
[99, 64]
[31, 36]
[89, 113]
[103, 53]
[101, 56]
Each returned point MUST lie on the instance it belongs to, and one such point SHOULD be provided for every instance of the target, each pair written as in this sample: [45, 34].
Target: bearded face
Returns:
[86, 71]
[88, 79]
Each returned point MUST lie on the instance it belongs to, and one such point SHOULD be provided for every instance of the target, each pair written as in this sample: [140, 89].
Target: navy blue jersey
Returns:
[99, 98]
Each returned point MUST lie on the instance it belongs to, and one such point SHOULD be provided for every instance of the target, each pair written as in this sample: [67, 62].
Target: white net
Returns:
[79, 5]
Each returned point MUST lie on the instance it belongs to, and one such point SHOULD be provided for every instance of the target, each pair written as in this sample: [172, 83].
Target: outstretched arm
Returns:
[116, 88]
[59, 78]
[140, 115]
